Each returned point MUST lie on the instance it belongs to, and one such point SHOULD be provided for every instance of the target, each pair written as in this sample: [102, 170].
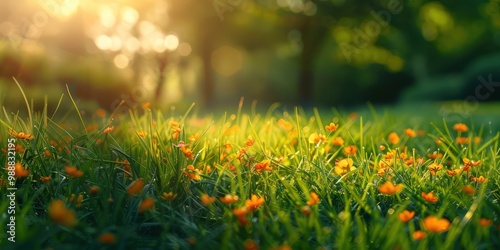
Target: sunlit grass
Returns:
[248, 180]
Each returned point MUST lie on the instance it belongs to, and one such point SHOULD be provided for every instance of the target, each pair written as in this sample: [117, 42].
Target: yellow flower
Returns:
[61, 215]
[316, 138]
[434, 167]
[206, 199]
[76, 199]
[314, 199]
[344, 166]
[430, 197]
[406, 215]
[389, 189]
[168, 196]
[135, 187]
[146, 204]
[436, 225]
[255, 202]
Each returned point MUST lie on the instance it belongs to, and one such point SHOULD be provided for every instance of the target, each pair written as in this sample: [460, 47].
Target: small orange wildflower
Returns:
[250, 245]
[141, 134]
[462, 140]
[240, 213]
[61, 215]
[471, 162]
[469, 189]
[435, 155]
[192, 173]
[350, 150]
[314, 199]
[434, 167]
[485, 222]
[453, 172]
[250, 141]
[316, 138]
[393, 138]
[146, 105]
[460, 127]
[406, 215]
[419, 235]
[187, 152]
[108, 130]
[389, 189]
[338, 141]
[263, 165]
[480, 179]
[146, 204]
[94, 190]
[430, 197]
[21, 135]
[168, 196]
[229, 199]
[107, 238]
[332, 127]
[410, 132]
[77, 200]
[101, 112]
[73, 171]
[255, 202]
[206, 199]
[20, 172]
[305, 210]
[45, 179]
[433, 224]
[135, 187]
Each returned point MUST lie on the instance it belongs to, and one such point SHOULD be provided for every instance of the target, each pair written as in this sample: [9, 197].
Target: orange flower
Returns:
[73, 171]
[419, 235]
[240, 214]
[485, 222]
[250, 245]
[20, 172]
[338, 141]
[175, 133]
[45, 179]
[76, 199]
[434, 167]
[453, 172]
[94, 190]
[388, 188]
[254, 203]
[135, 187]
[206, 199]
[462, 140]
[229, 199]
[263, 165]
[107, 238]
[187, 151]
[480, 179]
[192, 173]
[410, 132]
[436, 225]
[332, 127]
[393, 138]
[314, 199]
[101, 112]
[350, 150]
[146, 105]
[469, 189]
[430, 197]
[141, 134]
[61, 215]
[146, 204]
[20, 135]
[344, 166]
[406, 215]
[435, 155]
[168, 196]
[305, 210]
[460, 127]
[316, 138]
[473, 163]
[108, 130]
[250, 141]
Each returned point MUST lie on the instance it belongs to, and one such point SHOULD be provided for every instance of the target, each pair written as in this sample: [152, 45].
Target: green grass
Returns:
[227, 151]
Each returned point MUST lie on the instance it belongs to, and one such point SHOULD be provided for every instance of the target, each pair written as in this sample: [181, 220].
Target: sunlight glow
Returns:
[184, 49]
[171, 42]
[121, 61]
[103, 42]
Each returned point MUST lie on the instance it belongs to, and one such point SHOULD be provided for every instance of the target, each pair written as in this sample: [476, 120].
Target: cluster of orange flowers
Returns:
[251, 204]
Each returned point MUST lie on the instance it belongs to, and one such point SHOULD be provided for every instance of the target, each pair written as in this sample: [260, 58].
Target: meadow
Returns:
[246, 179]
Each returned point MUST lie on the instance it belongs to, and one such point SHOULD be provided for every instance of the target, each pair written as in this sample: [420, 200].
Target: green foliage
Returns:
[284, 158]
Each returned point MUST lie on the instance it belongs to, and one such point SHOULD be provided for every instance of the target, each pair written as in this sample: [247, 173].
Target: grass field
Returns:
[279, 179]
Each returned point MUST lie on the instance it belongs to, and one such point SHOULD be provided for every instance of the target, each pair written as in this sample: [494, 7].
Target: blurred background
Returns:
[213, 52]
